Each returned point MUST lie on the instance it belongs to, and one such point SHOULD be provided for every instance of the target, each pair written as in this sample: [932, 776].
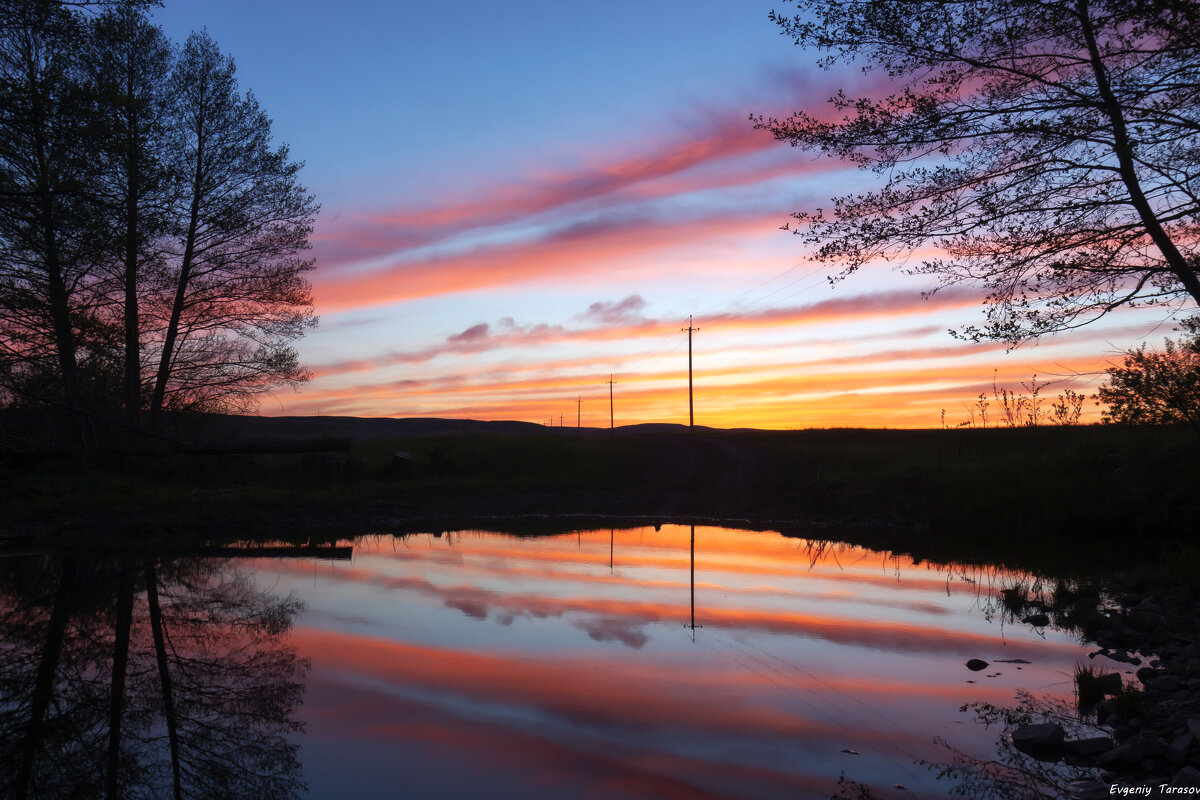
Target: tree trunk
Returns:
[124, 624]
[43, 689]
[185, 273]
[133, 364]
[177, 308]
[56, 287]
[164, 677]
[1123, 148]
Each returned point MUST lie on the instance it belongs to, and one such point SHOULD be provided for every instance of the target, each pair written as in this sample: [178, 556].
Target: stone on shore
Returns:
[1134, 751]
[1095, 746]
[1188, 777]
[1043, 736]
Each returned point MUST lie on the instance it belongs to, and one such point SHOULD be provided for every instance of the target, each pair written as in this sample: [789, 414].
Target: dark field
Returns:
[1043, 492]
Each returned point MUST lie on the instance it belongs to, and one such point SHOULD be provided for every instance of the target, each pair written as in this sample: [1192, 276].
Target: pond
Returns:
[645, 662]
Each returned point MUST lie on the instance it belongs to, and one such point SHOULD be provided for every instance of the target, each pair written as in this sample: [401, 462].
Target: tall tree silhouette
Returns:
[46, 231]
[153, 238]
[127, 60]
[239, 296]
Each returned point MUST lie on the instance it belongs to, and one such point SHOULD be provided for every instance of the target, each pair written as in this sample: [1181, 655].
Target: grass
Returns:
[1044, 499]
[1090, 687]
[1127, 703]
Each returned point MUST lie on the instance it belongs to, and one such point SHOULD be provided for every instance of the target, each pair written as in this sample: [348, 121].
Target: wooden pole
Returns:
[691, 406]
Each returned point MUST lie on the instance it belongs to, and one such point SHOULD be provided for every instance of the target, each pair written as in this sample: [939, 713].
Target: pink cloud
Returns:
[621, 320]
[548, 190]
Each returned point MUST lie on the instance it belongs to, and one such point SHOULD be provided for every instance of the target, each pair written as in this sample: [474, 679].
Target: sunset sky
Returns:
[520, 200]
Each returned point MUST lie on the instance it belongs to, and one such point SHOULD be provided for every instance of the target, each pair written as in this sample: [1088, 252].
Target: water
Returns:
[672, 662]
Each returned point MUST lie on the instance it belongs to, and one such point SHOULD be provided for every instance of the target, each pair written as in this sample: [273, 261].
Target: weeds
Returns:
[1022, 409]
[1092, 685]
[1067, 408]
[1127, 703]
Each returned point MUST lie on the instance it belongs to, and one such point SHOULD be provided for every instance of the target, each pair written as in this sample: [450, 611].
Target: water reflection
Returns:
[686, 661]
[128, 676]
[671, 663]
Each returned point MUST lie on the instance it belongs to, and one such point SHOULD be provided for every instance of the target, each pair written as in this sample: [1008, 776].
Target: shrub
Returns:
[1155, 388]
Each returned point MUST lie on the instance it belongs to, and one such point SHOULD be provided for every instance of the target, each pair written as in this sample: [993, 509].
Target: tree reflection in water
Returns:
[1013, 775]
[139, 677]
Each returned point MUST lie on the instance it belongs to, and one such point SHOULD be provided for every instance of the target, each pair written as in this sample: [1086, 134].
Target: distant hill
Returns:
[229, 426]
[360, 428]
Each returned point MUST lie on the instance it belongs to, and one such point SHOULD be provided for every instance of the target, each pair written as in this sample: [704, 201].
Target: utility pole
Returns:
[610, 402]
[578, 413]
[691, 407]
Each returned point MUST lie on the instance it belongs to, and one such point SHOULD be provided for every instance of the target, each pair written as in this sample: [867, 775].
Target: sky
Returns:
[521, 202]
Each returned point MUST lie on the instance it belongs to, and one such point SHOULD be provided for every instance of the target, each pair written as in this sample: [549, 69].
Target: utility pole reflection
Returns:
[693, 626]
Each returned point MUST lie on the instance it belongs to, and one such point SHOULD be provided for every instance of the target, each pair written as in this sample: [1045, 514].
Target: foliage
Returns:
[1047, 150]
[1154, 388]
[852, 790]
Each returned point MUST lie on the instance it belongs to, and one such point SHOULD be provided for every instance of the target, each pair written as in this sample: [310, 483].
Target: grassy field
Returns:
[983, 492]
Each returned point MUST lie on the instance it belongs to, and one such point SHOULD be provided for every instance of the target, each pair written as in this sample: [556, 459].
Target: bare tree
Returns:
[1049, 150]
[152, 237]
[46, 239]
[127, 60]
[237, 294]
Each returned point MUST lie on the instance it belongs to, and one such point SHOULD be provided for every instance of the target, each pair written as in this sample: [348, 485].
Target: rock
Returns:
[1166, 683]
[1037, 620]
[1088, 790]
[1134, 752]
[1188, 777]
[1043, 736]
[1124, 657]
[1104, 709]
[1095, 746]
[1194, 726]
[1177, 753]
[1147, 674]
[976, 664]
[1109, 683]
